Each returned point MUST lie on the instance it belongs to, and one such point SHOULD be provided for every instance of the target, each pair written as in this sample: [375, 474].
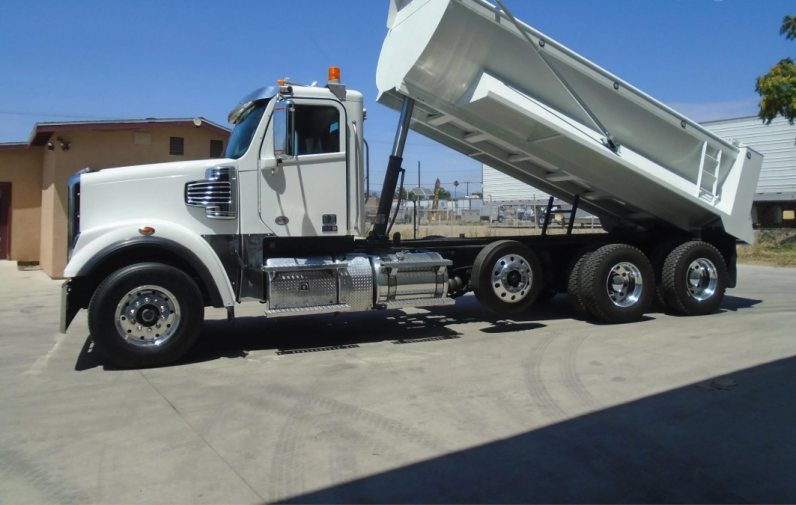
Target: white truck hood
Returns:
[148, 192]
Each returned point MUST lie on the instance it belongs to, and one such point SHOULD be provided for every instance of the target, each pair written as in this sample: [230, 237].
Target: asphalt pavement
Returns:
[450, 404]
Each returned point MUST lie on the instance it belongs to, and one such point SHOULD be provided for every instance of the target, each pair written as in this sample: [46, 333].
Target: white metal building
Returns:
[775, 198]
[776, 142]
[499, 187]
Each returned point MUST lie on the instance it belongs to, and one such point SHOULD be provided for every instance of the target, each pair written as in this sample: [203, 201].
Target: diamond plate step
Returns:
[419, 302]
[300, 311]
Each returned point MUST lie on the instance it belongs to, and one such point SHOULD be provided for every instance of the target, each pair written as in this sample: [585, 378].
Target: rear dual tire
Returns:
[616, 284]
[693, 279]
[573, 286]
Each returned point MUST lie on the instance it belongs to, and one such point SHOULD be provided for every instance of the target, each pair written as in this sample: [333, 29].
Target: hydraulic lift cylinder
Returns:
[393, 169]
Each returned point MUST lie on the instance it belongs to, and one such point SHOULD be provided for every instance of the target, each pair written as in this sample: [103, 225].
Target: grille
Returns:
[216, 148]
[216, 193]
[176, 146]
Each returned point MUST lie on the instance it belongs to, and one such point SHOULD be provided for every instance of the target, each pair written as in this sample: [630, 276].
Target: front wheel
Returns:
[147, 314]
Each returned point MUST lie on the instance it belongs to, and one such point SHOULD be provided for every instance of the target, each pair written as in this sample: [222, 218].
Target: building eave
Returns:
[42, 132]
[13, 146]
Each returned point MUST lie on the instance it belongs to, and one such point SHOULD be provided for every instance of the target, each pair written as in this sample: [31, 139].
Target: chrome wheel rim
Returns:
[702, 279]
[147, 316]
[624, 284]
[512, 278]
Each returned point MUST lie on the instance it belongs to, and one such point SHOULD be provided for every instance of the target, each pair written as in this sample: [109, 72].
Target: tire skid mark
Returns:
[391, 426]
[287, 471]
[505, 417]
[286, 477]
[15, 467]
[538, 392]
[569, 372]
[343, 469]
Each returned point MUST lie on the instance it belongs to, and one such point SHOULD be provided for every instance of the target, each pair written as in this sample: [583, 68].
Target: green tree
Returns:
[411, 196]
[444, 194]
[778, 87]
[788, 27]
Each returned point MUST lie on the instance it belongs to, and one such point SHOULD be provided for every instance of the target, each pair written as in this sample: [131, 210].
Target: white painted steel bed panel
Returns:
[484, 91]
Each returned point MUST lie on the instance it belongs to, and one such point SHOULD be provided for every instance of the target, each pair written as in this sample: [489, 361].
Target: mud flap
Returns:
[69, 309]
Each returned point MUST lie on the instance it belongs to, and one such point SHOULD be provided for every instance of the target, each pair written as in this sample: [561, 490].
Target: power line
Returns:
[46, 114]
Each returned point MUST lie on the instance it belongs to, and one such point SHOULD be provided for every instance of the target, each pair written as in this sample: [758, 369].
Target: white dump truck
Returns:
[280, 220]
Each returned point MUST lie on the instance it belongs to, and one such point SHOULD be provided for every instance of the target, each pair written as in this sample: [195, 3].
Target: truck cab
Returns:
[299, 156]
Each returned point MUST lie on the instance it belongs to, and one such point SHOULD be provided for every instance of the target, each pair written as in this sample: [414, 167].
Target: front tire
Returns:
[694, 279]
[145, 315]
[507, 277]
[617, 284]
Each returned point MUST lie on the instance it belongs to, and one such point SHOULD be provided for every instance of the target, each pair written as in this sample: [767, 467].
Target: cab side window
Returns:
[317, 129]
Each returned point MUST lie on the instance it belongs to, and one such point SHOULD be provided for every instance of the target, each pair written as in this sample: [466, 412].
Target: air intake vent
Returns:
[216, 193]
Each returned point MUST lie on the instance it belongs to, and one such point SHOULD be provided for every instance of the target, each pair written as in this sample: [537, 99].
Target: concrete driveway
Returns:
[443, 405]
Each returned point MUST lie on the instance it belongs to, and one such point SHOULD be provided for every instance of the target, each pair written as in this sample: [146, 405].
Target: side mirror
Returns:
[284, 130]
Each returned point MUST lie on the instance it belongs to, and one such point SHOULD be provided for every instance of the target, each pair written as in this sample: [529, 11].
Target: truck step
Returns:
[418, 302]
[298, 311]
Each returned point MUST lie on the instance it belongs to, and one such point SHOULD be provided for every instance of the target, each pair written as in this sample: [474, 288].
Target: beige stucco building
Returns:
[34, 174]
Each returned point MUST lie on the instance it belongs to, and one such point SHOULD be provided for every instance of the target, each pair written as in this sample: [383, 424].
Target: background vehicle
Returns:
[281, 221]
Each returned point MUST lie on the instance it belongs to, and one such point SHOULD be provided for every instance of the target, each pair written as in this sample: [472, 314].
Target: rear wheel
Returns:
[617, 284]
[694, 279]
[573, 287]
[507, 277]
[146, 315]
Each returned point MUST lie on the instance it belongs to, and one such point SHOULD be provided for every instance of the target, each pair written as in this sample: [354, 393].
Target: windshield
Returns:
[243, 133]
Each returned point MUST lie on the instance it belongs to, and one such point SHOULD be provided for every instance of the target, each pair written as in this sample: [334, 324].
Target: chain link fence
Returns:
[774, 215]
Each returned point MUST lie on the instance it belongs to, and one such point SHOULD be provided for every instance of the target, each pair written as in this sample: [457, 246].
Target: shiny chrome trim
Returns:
[73, 212]
[306, 268]
[249, 101]
[217, 193]
[147, 316]
[419, 302]
[702, 278]
[300, 311]
[624, 284]
[512, 278]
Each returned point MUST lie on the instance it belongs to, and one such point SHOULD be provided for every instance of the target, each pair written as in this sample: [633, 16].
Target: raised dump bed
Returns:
[495, 89]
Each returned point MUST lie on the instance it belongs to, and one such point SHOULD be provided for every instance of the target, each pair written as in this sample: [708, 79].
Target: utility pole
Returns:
[418, 173]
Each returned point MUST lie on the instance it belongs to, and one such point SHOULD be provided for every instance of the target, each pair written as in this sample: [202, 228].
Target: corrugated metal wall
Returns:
[504, 188]
[776, 142]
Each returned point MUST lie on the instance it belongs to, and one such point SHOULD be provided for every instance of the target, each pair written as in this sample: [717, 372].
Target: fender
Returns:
[95, 244]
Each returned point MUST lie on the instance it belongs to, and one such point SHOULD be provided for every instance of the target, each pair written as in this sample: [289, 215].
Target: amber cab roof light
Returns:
[334, 75]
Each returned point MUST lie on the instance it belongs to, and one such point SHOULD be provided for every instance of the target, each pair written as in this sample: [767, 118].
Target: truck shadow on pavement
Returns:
[687, 445]
[221, 339]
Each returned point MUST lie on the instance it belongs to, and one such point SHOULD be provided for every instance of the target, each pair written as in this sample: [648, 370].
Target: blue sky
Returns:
[167, 58]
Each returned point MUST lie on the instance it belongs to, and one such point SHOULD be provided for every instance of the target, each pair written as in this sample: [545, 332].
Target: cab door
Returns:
[303, 174]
